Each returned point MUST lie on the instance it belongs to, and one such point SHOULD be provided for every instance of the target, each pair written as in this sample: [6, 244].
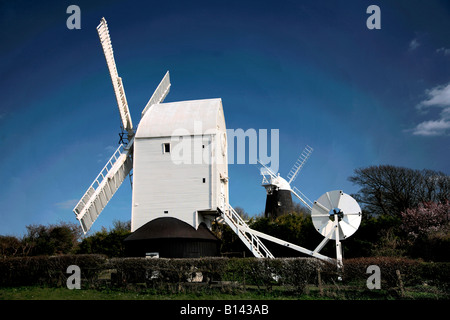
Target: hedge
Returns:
[164, 273]
[226, 273]
[412, 272]
[45, 270]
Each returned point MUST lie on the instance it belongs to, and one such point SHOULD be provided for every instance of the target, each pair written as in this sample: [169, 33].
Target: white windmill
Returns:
[335, 215]
[179, 197]
[279, 200]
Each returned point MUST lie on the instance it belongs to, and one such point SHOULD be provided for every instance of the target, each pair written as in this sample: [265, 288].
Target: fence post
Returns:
[400, 283]
[319, 280]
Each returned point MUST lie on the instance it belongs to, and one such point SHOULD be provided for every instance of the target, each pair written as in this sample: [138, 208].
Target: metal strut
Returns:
[251, 239]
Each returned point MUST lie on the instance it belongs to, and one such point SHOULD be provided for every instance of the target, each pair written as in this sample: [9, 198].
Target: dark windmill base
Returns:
[172, 238]
[279, 202]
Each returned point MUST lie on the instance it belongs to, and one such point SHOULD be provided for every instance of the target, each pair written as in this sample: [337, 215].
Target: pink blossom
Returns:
[429, 217]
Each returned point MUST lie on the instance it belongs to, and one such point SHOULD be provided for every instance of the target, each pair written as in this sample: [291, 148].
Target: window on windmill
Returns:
[204, 180]
[166, 147]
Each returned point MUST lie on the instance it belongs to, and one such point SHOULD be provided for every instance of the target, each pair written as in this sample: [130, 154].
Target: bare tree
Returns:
[390, 190]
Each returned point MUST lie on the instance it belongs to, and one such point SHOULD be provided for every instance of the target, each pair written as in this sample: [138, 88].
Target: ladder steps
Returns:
[253, 243]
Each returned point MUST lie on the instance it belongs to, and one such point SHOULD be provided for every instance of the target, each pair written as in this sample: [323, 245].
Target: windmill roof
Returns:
[182, 118]
[171, 228]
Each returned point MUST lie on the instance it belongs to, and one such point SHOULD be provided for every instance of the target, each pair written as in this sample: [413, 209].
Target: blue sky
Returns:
[311, 69]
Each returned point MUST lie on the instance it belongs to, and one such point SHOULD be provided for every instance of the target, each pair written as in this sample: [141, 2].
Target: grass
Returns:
[42, 293]
[277, 293]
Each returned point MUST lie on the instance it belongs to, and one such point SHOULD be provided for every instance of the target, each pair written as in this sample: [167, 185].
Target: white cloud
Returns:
[444, 51]
[68, 204]
[432, 128]
[445, 114]
[107, 153]
[110, 149]
[413, 45]
[436, 97]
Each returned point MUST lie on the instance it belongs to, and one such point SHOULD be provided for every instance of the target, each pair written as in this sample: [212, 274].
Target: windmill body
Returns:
[279, 190]
[279, 198]
[180, 166]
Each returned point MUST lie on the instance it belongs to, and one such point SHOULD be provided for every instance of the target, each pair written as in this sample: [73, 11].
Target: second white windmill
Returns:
[335, 215]
[279, 190]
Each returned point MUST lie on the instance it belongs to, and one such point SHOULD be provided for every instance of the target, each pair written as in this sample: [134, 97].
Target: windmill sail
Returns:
[104, 187]
[119, 166]
[298, 165]
[160, 93]
[119, 91]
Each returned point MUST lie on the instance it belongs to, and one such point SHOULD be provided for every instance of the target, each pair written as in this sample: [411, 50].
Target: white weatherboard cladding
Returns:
[163, 187]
